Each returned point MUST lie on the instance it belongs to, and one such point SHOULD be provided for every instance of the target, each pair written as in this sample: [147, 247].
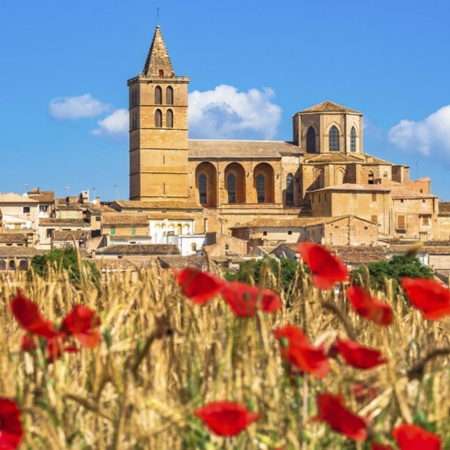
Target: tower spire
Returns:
[158, 62]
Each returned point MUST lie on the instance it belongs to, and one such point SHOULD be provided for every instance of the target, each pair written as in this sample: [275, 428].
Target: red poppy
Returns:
[82, 323]
[29, 343]
[378, 446]
[27, 314]
[430, 296]
[331, 410]
[55, 349]
[359, 356]
[299, 352]
[11, 431]
[226, 418]
[244, 300]
[326, 269]
[199, 286]
[369, 307]
[413, 437]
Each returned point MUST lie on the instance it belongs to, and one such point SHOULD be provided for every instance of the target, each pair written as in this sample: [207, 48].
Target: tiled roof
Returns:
[42, 196]
[63, 222]
[355, 187]
[404, 193]
[15, 198]
[124, 219]
[19, 252]
[444, 208]
[159, 205]
[181, 262]
[328, 106]
[11, 238]
[70, 235]
[139, 249]
[218, 149]
[338, 157]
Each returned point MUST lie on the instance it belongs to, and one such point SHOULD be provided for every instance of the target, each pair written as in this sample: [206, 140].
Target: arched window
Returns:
[353, 140]
[311, 140]
[161, 73]
[179, 229]
[169, 119]
[231, 187]
[290, 189]
[333, 139]
[194, 247]
[371, 178]
[158, 95]
[202, 186]
[158, 118]
[169, 96]
[260, 188]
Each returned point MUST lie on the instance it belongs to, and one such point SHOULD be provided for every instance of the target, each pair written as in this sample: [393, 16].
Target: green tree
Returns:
[396, 268]
[65, 260]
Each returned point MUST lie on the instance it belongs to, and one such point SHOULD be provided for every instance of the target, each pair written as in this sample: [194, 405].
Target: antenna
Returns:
[26, 187]
[117, 191]
[157, 14]
[67, 188]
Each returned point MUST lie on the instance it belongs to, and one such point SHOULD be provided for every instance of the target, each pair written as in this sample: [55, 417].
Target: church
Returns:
[319, 186]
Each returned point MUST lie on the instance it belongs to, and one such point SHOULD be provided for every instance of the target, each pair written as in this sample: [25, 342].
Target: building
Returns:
[226, 185]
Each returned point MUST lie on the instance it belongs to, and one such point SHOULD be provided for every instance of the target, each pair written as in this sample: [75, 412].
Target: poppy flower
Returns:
[11, 431]
[378, 446]
[29, 343]
[55, 349]
[299, 352]
[27, 314]
[369, 307]
[244, 300]
[413, 437]
[82, 323]
[359, 356]
[226, 418]
[199, 286]
[429, 296]
[331, 410]
[326, 269]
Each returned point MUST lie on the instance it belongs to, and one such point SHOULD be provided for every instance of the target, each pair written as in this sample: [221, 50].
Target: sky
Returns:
[252, 66]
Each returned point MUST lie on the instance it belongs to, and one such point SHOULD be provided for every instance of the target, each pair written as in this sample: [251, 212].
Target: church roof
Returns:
[328, 106]
[240, 149]
[337, 157]
[158, 58]
[155, 205]
[355, 187]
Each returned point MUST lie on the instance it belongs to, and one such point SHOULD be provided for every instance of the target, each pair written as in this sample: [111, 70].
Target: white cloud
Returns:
[429, 137]
[225, 113]
[80, 107]
[116, 124]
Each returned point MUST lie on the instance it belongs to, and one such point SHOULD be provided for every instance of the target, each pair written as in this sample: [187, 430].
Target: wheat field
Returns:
[161, 356]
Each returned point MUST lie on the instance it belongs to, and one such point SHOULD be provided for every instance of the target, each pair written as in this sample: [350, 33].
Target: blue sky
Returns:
[252, 65]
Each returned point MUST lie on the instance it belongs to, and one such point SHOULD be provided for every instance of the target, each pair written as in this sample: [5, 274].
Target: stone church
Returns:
[255, 190]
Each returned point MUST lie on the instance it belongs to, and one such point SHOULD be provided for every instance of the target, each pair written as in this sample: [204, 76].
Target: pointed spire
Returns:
[158, 62]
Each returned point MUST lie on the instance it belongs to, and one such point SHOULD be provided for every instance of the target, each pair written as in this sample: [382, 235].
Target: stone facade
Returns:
[322, 173]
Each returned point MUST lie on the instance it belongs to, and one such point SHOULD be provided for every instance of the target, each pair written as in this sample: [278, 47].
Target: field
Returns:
[161, 356]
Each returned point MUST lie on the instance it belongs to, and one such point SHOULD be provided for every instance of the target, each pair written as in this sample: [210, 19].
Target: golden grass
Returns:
[162, 356]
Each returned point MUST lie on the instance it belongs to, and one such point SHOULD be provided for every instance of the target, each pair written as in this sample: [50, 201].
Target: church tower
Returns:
[158, 107]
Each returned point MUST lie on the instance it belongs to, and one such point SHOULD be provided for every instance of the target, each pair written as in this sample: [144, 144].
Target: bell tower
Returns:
[158, 109]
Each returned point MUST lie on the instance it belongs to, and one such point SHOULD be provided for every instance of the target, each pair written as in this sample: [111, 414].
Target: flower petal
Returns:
[413, 437]
[199, 286]
[226, 418]
[359, 356]
[11, 431]
[326, 269]
[82, 323]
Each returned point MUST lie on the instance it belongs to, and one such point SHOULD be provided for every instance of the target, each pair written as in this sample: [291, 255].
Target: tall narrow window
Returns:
[169, 119]
[290, 189]
[231, 185]
[158, 95]
[169, 96]
[158, 119]
[202, 186]
[260, 188]
[161, 73]
[311, 140]
[371, 178]
[353, 140]
[333, 139]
